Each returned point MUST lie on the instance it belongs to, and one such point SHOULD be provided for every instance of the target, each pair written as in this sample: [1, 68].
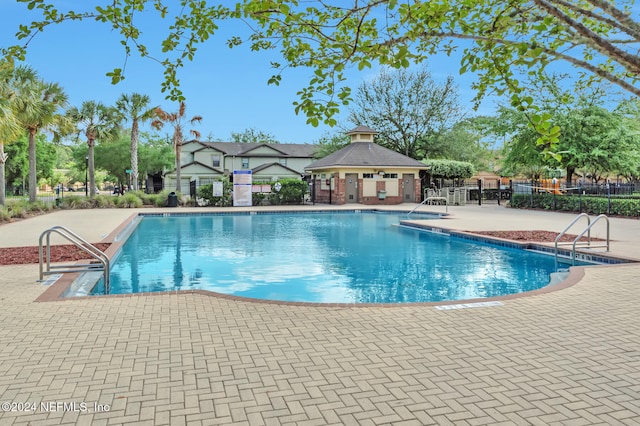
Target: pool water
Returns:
[318, 257]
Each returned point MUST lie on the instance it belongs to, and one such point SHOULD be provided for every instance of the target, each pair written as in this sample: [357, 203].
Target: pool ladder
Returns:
[576, 241]
[44, 254]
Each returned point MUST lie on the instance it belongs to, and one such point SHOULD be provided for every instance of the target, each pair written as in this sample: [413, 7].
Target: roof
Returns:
[276, 165]
[241, 149]
[362, 129]
[366, 154]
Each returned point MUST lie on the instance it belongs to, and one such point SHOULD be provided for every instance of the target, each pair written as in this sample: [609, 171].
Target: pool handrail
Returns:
[576, 241]
[83, 245]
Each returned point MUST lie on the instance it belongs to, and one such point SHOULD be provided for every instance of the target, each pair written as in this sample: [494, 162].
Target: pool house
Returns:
[366, 173]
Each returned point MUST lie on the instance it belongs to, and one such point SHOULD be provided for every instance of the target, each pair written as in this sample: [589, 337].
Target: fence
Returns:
[610, 199]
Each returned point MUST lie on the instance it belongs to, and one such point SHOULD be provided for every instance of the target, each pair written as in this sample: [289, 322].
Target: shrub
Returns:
[129, 200]
[102, 201]
[257, 198]
[161, 198]
[75, 202]
[620, 206]
[291, 192]
[147, 199]
[5, 214]
[205, 196]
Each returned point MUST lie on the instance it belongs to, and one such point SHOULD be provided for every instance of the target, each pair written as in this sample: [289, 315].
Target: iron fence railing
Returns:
[610, 199]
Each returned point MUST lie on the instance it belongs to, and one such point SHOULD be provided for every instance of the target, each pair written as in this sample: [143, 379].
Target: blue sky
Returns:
[227, 87]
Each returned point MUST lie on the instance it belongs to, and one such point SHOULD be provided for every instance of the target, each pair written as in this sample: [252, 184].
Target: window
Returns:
[390, 176]
[215, 160]
[367, 175]
[245, 163]
[283, 161]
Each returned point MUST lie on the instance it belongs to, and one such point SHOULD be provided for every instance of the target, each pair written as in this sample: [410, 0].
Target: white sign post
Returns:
[242, 182]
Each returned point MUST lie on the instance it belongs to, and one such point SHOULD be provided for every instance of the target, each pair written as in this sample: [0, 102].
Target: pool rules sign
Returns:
[242, 181]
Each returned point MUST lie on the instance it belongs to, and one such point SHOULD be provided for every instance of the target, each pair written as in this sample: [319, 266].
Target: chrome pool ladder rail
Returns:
[576, 241]
[44, 255]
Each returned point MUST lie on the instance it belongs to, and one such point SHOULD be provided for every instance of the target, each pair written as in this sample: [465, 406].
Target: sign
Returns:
[242, 183]
[218, 189]
[128, 171]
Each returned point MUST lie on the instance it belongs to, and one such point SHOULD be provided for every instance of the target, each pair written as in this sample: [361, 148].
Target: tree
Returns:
[156, 155]
[37, 108]
[498, 41]
[98, 122]
[135, 107]
[112, 155]
[17, 165]
[328, 144]
[466, 141]
[597, 141]
[407, 109]
[252, 135]
[9, 128]
[176, 120]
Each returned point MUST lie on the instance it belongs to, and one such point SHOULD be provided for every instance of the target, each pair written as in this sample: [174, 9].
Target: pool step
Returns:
[558, 277]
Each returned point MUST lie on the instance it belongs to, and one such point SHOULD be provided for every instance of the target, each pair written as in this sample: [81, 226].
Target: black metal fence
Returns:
[610, 199]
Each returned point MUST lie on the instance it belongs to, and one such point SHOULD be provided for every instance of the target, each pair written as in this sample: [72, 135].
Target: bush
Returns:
[257, 198]
[129, 200]
[291, 192]
[161, 198]
[5, 214]
[147, 199]
[102, 201]
[620, 206]
[204, 195]
[75, 202]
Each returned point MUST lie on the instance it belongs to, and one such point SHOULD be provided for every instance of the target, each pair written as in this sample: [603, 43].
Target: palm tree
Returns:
[176, 119]
[37, 105]
[9, 127]
[135, 108]
[98, 122]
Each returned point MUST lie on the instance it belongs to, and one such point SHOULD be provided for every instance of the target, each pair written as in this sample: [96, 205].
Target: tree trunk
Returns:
[3, 160]
[92, 174]
[33, 177]
[134, 155]
[177, 142]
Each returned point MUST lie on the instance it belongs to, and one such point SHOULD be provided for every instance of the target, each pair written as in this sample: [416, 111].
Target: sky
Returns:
[227, 87]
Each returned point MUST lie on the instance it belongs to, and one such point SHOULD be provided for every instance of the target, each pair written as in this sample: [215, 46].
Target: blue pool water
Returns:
[318, 257]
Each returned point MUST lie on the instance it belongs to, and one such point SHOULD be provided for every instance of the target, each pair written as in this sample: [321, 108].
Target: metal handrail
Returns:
[588, 230]
[439, 198]
[575, 242]
[79, 242]
[564, 231]
[414, 209]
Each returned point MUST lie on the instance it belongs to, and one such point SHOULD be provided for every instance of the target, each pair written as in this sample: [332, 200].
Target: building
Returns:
[205, 162]
[367, 173]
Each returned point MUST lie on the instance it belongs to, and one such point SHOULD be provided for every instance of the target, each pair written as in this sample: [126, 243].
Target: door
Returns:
[408, 189]
[351, 189]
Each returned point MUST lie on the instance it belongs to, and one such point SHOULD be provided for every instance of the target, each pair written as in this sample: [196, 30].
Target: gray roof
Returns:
[244, 149]
[362, 129]
[365, 154]
[267, 165]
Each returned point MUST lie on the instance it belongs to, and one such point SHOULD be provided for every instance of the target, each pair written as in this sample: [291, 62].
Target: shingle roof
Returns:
[362, 129]
[267, 165]
[363, 154]
[244, 149]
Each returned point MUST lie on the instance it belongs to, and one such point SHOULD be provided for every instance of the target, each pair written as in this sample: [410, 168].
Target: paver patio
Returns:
[566, 357]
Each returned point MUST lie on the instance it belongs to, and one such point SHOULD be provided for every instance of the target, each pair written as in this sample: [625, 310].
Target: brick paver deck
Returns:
[567, 357]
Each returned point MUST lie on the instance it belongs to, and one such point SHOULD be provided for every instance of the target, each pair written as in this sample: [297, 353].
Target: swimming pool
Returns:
[361, 257]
